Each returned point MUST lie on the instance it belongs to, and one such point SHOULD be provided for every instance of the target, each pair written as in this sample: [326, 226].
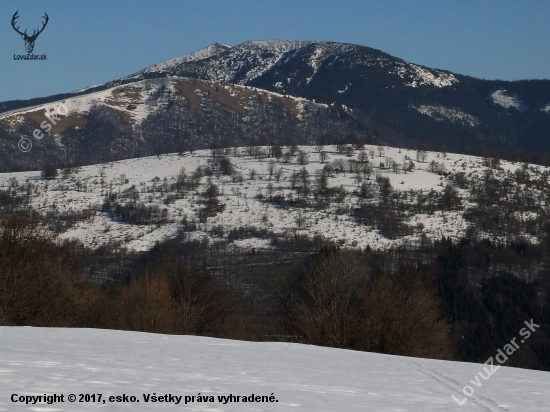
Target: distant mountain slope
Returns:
[391, 90]
[417, 104]
[164, 115]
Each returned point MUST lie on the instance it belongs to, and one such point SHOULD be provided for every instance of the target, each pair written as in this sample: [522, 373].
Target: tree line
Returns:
[445, 299]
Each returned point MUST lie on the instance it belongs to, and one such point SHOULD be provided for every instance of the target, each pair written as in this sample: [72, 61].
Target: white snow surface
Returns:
[38, 361]
[440, 113]
[420, 76]
[251, 59]
[504, 99]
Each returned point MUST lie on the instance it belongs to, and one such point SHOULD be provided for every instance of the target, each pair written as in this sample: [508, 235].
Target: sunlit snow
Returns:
[38, 361]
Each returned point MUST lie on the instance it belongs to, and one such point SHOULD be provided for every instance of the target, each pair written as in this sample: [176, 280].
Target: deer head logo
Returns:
[29, 40]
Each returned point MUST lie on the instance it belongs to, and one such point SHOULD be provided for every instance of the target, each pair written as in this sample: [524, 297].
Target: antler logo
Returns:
[29, 40]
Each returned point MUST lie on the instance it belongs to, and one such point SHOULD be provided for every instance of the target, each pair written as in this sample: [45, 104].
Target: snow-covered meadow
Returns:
[86, 190]
[38, 361]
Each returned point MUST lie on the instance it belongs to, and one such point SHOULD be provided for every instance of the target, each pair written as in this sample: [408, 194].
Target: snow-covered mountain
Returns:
[39, 361]
[253, 59]
[401, 103]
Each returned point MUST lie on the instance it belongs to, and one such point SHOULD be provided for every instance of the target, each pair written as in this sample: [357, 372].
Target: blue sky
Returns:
[91, 42]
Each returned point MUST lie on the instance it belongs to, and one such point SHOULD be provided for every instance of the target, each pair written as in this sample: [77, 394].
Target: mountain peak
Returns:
[201, 54]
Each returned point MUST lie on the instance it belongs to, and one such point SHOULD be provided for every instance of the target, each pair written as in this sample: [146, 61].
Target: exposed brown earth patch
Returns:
[74, 119]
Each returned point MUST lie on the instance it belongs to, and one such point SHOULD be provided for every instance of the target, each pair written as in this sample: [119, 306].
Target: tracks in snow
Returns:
[482, 403]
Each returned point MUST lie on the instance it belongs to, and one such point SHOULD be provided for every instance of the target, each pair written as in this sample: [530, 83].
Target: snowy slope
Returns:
[38, 361]
[252, 59]
[420, 76]
[85, 190]
[116, 97]
[504, 99]
[440, 113]
[204, 53]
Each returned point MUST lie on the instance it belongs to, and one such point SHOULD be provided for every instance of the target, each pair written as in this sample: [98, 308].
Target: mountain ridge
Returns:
[424, 106]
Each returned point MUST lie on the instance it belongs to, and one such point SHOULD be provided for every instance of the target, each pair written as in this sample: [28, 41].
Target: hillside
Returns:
[38, 361]
[164, 115]
[372, 196]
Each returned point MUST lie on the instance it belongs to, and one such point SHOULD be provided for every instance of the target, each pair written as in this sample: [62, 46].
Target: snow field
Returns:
[38, 361]
[84, 190]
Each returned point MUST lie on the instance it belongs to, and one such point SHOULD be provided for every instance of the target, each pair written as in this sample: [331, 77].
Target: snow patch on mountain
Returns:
[345, 89]
[441, 113]
[419, 76]
[504, 99]
[317, 58]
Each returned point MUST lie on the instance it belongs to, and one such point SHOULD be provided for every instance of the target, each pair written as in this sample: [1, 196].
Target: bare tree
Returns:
[342, 306]
[303, 158]
[304, 178]
[271, 166]
[276, 151]
[294, 177]
[321, 182]
[300, 220]
[408, 165]
[278, 174]
[365, 169]
[421, 156]
[338, 165]
[328, 169]
[395, 166]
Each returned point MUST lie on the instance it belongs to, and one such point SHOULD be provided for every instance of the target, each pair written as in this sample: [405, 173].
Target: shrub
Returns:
[49, 172]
